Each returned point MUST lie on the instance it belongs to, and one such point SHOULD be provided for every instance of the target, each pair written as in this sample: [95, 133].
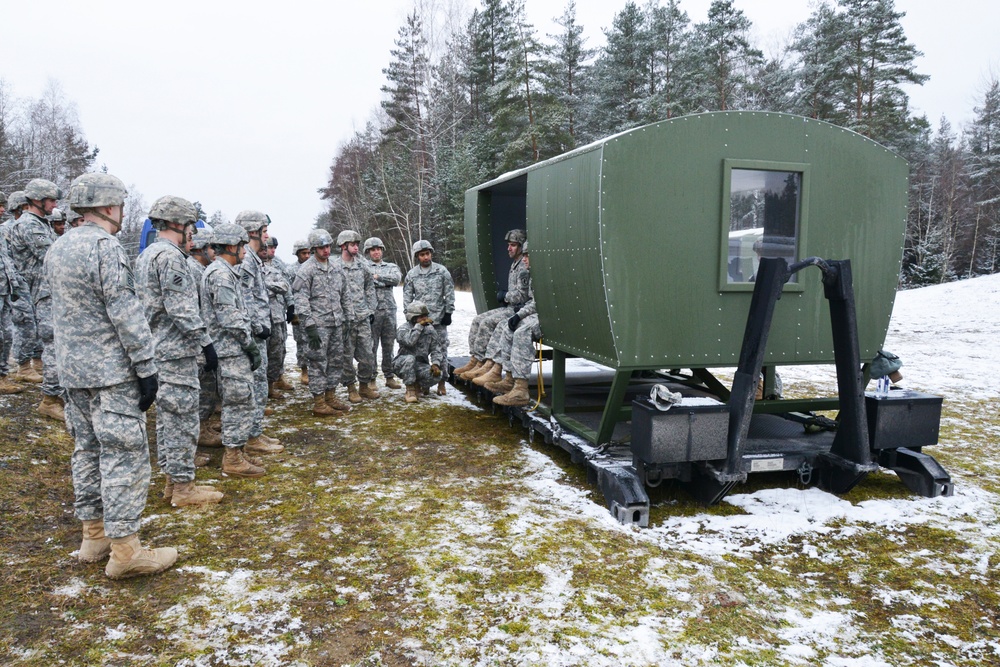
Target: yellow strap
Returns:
[541, 380]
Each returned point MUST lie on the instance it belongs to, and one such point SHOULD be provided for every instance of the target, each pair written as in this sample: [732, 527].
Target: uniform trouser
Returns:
[6, 334]
[411, 371]
[499, 350]
[259, 391]
[177, 423]
[208, 395]
[299, 335]
[358, 345]
[276, 350]
[110, 461]
[522, 350]
[327, 361]
[25, 332]
[236, 392]
[479, 334]
[384, 334]
[442, 333]
[50, 373]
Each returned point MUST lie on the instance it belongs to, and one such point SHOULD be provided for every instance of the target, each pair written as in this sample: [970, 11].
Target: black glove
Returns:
[253, 353]
[501, 295]
[147, 391]
[371, 320]
[264, 334]
[290, 314]
[446, 320]
[514, 320]
[211, 358]
[314, 340]
[14, 296]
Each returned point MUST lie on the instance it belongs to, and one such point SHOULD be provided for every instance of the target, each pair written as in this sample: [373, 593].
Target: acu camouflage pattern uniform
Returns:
[420, 346]
[251, 273]
[11, 287]
[322, 301]
[298, 331]
[484, 324]
[358, 343]
[386, 276]
[26, 343]
[225, 315]
[102, 344]
[516, 349]
[279, 298]
[170, 298]
[435, 287]
[208, 394]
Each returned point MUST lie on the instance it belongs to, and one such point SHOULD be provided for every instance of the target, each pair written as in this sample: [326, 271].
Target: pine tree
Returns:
[621, 74]
[725, 58]
[564, 77]
[984, 174]
[669, 76]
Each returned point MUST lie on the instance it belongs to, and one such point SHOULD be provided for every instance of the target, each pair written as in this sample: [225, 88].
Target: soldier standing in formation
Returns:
[11, 287]
[93, 298]
[25, 334]
[200, 256]
[432, 284]
[170, 300]
[358, 325]
[302, 253]
[279, 300]
[386, 276]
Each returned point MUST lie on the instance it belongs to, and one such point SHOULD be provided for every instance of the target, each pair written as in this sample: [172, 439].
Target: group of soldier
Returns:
[199, 326]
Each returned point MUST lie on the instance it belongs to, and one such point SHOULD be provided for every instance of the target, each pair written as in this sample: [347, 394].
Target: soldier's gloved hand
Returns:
[290, 315]
[264, 334]
[314, 340]
[211, 357]
[513, 321]
[14, 296]
[371, 320]
[501, 295]
[148, 386]
[446, 320]
[253, 353]
[435, 370]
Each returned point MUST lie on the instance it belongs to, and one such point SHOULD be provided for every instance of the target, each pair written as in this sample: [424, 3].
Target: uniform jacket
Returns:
[321, 297]
[434, 286]
[223, 309]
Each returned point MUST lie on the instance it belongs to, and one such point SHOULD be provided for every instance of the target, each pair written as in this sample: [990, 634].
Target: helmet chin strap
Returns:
[117, 224]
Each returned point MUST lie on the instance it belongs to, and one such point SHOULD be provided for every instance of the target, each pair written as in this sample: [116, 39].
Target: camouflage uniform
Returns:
[419, 347]
[484, 323]
[170, 300]
[435, 287]
[298, 331]
[225, 314]
[11, 286]
[522, 350]
[251, 272]
[102, 343]
[322, 301]
[502, 341]
[208, 394]
[386, 276]
[279, 294]
[26, 344]
[357, 328]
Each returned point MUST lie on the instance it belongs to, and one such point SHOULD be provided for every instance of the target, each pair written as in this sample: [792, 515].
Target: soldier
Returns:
[225, 314]
[279, 295]
[93, 299]
[10, 285]
[57, 219]
[25, 334]
[321, 301]
[200, 255]
[386, 277]
[289, 274]
[302, 253]
[358, 326]
[255, 224]
[170, 299]
[525, 320]
[421, 352]
[73, 219]
[431, 283]
[30, 240]
[484, 324]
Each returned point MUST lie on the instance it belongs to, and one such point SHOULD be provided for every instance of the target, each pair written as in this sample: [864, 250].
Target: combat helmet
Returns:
[272, 241]
[373, 242]
[56, 216]
[72, 218]
[348, 236]
[201, 239]
[171, 209]
[252, 221]
[229, 233]
[516, 236]
[95, 191]
[38, 189]
[3, 199]
[299, 246]
[319, 238]
[416, 309]
[16, 200]
[421, 245]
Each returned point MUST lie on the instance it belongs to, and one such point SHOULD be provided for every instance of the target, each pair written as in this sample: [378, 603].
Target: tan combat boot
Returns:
[168, 487]
[442, 390]
[268, 411]
[215, 422]
[495, 374]
[503, 386]
[283, 384]
[515, 397]
[201, 459]
[38, 366]
[321, 409]
[330, 398]
[304, 376]
[96, 545]
[186, 493]
[258, 445]
[130, 559]
[352, 393]
[207, 437]
[52, 407]
[8, 387]
[468, 375]
[235, 464]
[392, 383]
[483, 369]
[25, 373]
[412, 392]
[367, 390]
[273, 393]
[469, 365]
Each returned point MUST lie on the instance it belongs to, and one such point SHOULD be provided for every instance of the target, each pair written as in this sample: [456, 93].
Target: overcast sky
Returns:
[243, 105]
